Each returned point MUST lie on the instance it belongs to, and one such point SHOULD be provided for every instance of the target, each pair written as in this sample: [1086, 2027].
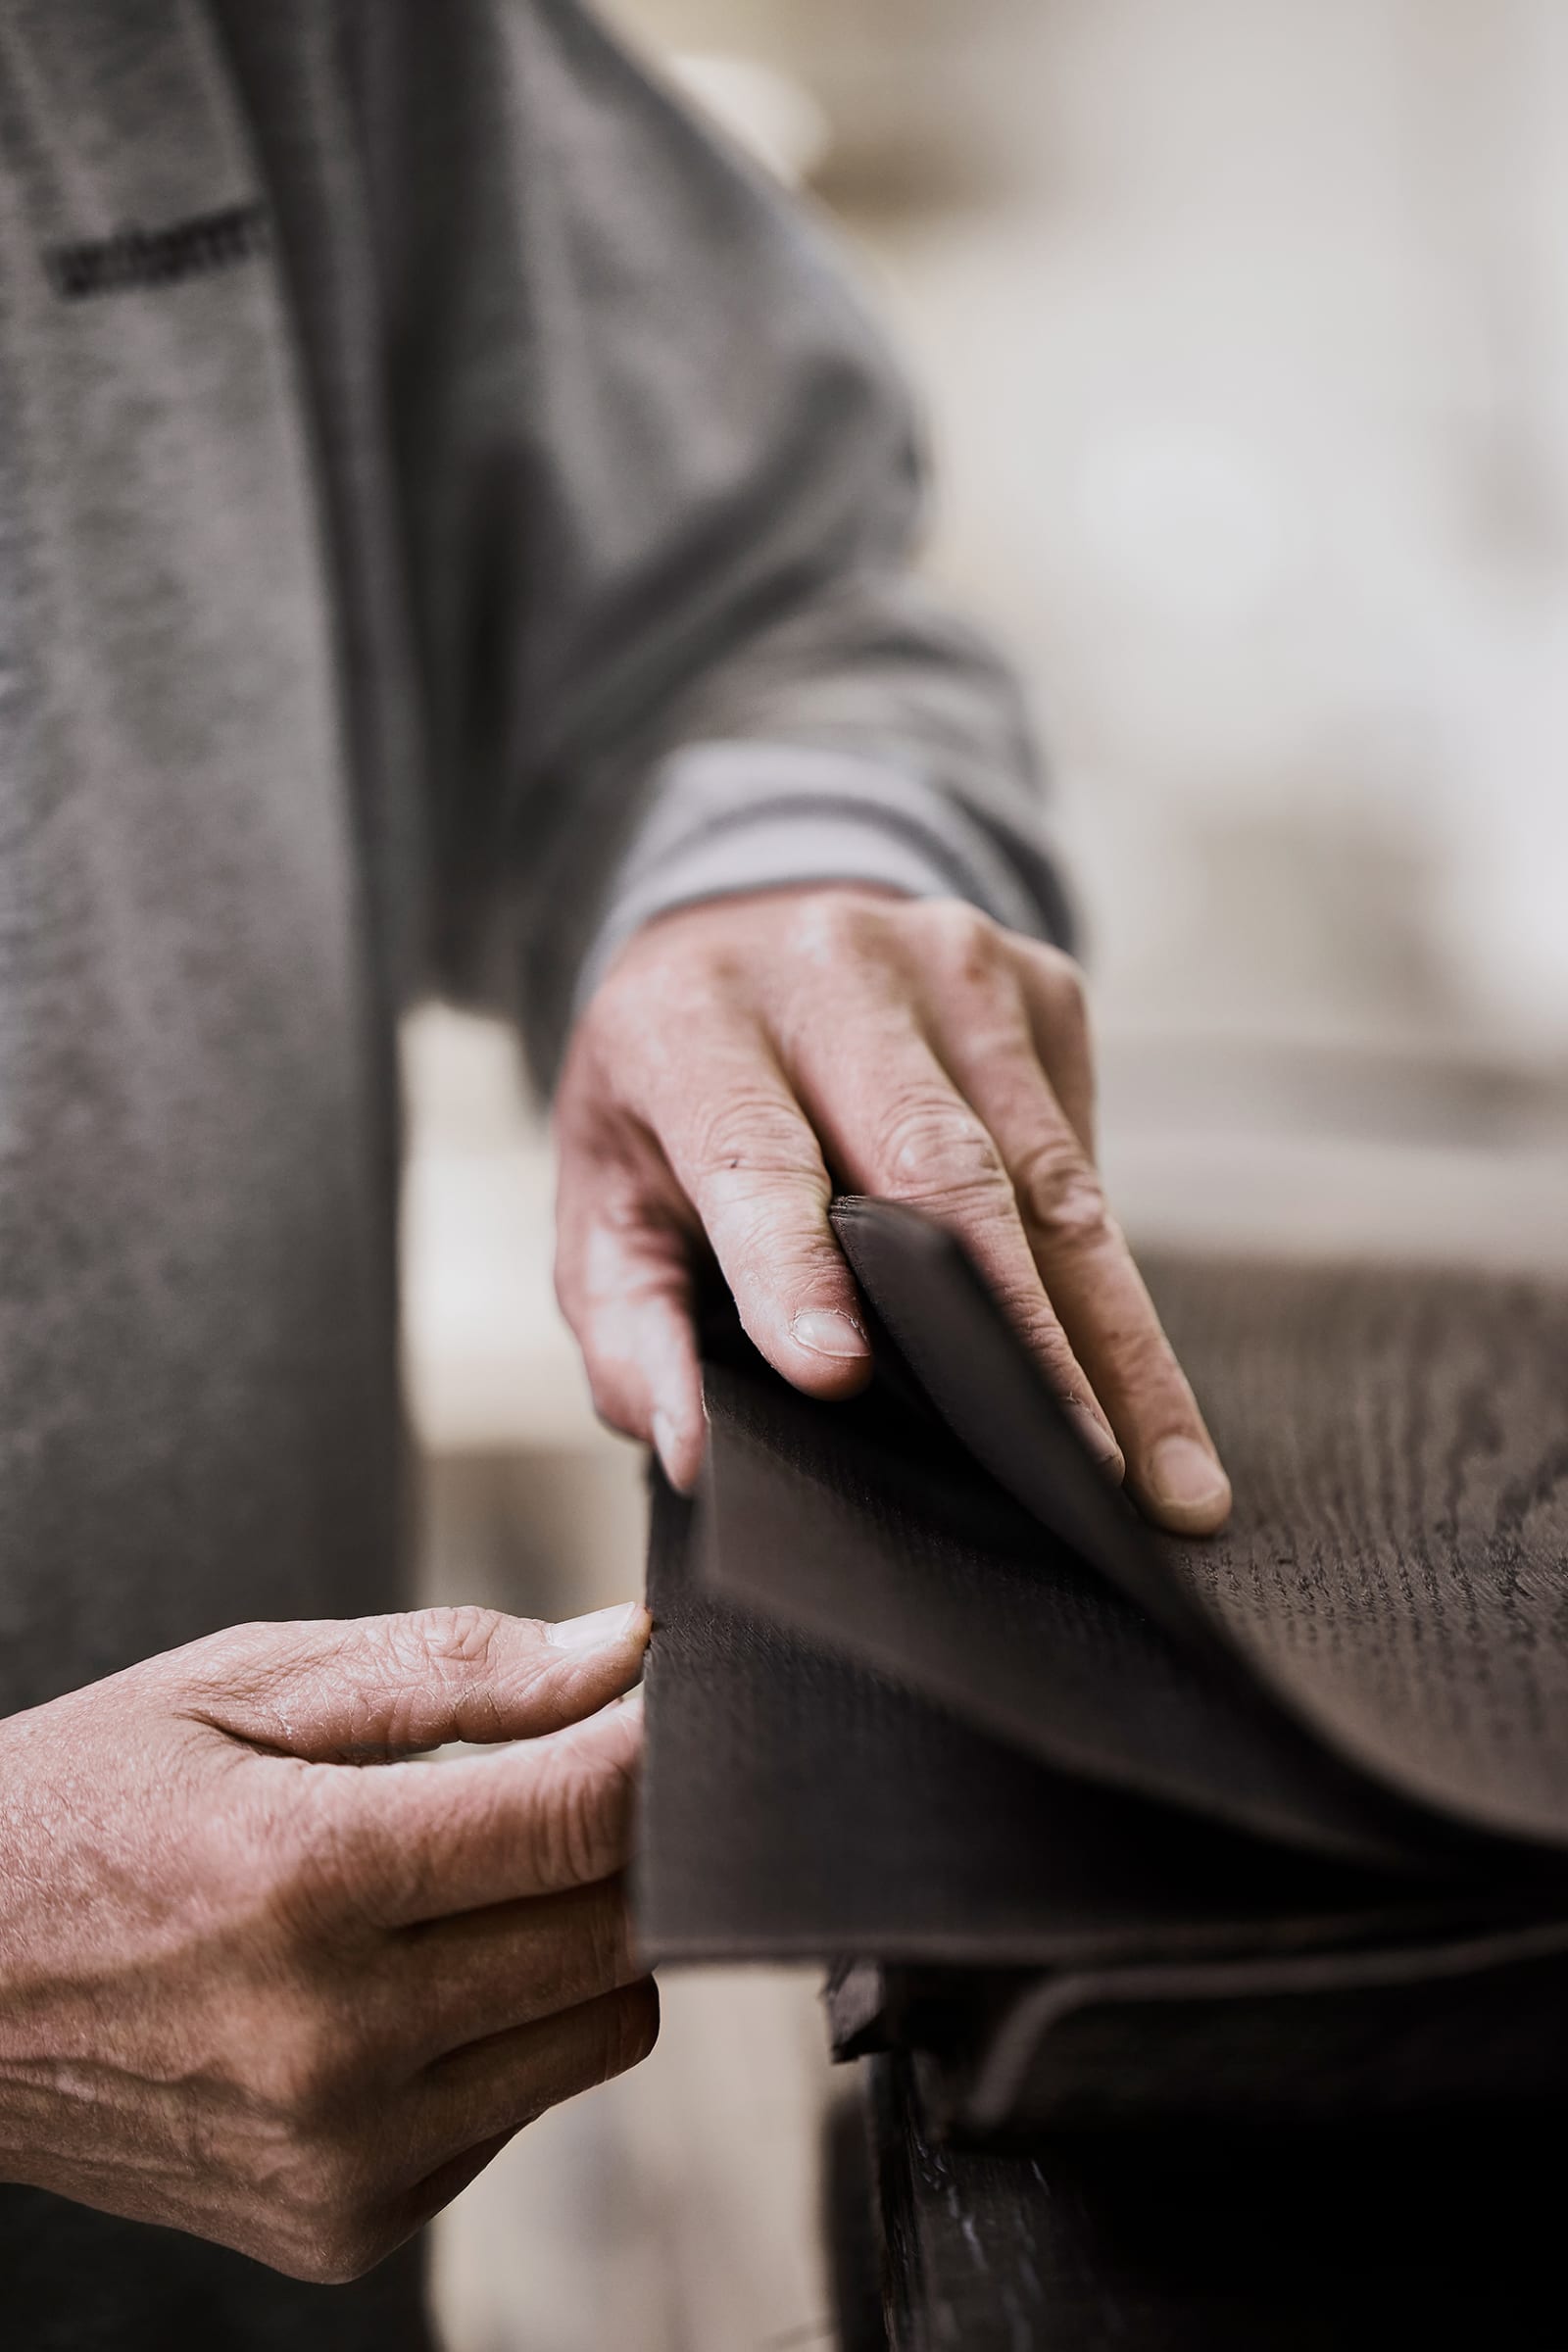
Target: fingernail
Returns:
[603, 1628]
[1184, 1476]
[825, 1332]
[1102, 1448]
[664, 1443]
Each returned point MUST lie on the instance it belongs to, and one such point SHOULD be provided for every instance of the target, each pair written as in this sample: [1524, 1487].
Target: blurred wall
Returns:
[1243, 328]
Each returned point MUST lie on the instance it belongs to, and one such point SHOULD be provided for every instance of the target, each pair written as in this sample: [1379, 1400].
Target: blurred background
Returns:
[1242, 330]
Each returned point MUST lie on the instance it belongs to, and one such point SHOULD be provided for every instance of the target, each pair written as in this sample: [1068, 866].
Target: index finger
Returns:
[748, 1160]
[396, 1843]
[896, 1123]
[360, 1688]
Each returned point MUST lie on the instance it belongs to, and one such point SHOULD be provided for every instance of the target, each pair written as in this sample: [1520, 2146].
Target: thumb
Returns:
[624, 1277]
[348, 1689]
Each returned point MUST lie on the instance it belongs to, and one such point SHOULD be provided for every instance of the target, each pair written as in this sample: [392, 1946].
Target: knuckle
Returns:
[456, 1637]
[238, 1667]
[1062, 1195]
[401, 1656]
[584, 1821]
[843, 927]
[933, 1149]
[341, 2246]
[837, 922]
[1058, 973]
[304, 2068]
[960, 933]
[324, 2263]
[1060, 991]
[749, 1131]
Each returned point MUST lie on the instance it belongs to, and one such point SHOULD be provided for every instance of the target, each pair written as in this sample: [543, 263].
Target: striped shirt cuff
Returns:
[730, 817]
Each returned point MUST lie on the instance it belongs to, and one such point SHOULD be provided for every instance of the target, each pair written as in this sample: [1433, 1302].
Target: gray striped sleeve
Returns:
[738, 817]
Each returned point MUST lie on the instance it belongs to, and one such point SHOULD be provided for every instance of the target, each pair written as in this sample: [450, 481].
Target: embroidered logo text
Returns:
[158, 256]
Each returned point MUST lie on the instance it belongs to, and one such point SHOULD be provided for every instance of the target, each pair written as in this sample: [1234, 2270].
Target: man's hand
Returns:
[257, 1985]
[737, 1051]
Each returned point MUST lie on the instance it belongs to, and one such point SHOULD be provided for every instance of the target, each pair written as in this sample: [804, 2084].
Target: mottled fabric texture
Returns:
[451, 510]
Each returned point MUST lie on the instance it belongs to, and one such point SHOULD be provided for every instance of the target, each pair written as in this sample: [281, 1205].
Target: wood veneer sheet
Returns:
[925, 1688]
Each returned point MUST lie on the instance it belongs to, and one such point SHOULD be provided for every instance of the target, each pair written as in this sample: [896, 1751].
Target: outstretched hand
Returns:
[737, 1051]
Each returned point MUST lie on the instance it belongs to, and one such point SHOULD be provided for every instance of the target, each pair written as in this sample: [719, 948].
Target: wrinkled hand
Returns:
[737, 1051]
[255, 1989]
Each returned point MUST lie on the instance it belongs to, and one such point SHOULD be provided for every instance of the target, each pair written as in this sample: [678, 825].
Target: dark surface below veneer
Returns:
[1477, 2026]
[850, 2230]
[1347, 2242]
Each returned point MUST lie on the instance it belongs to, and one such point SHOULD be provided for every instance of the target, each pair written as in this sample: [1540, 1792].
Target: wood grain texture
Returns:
[1396, 1568]
[848, 1761]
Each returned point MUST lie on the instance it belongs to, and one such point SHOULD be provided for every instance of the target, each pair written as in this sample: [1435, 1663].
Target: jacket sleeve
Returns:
[660, 486]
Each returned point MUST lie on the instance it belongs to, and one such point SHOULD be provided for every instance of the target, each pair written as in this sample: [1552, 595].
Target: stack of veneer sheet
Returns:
[1117, 1831]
